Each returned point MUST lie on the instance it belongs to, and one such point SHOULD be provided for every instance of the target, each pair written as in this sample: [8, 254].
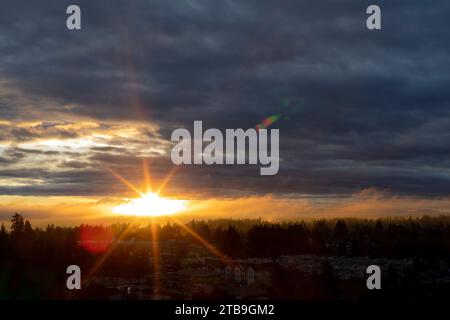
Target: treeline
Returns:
[426, 237]
[33, 261]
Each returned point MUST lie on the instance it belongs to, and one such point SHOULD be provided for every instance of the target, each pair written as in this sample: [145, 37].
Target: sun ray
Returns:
[205, 243]
[154, 235]
[114, 244]
[155, 255]
[105, 256]
[167, 179]
[147, 177]
[125, 181]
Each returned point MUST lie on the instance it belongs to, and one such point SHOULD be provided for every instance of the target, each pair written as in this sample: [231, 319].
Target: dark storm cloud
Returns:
[359, 108]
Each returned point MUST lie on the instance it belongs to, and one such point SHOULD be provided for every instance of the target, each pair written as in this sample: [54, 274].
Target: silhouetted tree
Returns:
[36, 258]
[340, 230]
[28, 228]
[232, 243]
[320, 234]
[17, 224]
[3, 242]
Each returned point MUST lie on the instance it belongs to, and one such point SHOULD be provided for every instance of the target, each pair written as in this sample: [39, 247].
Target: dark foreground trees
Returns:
[33, 260]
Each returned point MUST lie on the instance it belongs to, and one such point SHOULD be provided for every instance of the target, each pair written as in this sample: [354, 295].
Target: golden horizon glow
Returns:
[150, 205]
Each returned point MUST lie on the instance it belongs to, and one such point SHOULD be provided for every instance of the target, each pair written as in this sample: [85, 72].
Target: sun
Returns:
[150, 205]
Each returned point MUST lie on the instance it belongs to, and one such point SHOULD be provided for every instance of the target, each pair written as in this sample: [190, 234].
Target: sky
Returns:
[363, 115]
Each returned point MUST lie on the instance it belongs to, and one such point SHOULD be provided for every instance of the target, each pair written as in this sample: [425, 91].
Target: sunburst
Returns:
[150, 205]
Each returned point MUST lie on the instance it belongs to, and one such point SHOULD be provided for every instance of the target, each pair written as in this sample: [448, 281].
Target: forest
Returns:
[33, 260]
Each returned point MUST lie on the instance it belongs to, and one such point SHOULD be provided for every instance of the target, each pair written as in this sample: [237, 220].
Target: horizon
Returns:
[364, 205]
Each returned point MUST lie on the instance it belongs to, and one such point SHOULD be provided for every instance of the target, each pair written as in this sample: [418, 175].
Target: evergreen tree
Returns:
[17, 224]
[28, 228]
[3, 230]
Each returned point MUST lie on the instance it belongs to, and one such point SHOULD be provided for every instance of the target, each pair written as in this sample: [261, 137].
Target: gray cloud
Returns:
[359, 109]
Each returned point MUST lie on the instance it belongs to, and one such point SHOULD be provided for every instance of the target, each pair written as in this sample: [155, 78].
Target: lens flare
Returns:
[267, 122]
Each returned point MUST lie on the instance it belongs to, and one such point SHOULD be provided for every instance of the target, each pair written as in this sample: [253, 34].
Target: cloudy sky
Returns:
[364, 115]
